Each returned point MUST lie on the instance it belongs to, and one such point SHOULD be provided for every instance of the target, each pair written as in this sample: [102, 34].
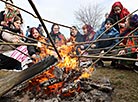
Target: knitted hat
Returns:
[109, 20]
[134, 20]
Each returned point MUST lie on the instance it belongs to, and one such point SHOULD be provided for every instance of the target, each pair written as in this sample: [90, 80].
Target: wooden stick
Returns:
[108, 57]
[17, 49]
[116, 48]
[80, 43]
[23, 36]
[34, 15]
[124, 48]
[108, 29]
[40, 19]
[15, 79]
[8, 43]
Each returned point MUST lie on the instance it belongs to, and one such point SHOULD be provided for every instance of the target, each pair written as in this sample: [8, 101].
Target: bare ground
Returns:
[125, 82]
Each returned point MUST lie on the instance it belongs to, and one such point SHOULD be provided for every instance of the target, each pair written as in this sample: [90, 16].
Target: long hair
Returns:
[89, 28]
[53, 27]
[32, 30]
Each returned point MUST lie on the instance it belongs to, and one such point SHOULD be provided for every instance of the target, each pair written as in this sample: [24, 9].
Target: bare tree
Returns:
[92, 15]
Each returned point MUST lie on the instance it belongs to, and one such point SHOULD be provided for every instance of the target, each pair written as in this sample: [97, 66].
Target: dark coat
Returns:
[32, 49]
[109, 34]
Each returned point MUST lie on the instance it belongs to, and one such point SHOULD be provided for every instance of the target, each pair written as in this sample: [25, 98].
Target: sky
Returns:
[62, 11]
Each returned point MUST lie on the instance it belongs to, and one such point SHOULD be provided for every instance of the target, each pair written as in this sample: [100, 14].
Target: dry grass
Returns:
[125, 83]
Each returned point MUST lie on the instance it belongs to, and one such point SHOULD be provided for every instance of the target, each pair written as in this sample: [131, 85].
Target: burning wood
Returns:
[63, 80]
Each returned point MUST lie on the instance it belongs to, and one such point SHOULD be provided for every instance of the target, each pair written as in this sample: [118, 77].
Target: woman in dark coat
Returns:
[36, 52]
[76, 36]
[7, 37]
[58, 38]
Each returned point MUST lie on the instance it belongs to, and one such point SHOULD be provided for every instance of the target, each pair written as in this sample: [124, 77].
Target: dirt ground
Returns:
[125, 82]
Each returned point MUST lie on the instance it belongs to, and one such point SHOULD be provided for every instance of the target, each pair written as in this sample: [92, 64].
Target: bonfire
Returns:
[62, 78]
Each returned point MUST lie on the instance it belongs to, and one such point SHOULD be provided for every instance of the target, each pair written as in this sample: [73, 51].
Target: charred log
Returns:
[50, 82]
[89, 85]
[13, 80]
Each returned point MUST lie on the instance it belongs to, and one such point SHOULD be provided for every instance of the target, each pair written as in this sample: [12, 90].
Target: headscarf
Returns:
[124, 12]
[88, 27]
[90, 35]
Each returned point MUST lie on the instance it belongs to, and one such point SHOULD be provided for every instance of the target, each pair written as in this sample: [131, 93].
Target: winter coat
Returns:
[78, 38]
[111, 33]
[8, 38]
[58, 38]
[124, 12]
[32, 49]
[130, 42]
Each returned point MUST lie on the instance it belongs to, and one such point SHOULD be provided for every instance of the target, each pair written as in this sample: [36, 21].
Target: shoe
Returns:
[135, 68]
[100, 63]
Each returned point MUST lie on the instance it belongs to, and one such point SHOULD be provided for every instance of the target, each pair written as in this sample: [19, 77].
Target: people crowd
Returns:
[11, 20]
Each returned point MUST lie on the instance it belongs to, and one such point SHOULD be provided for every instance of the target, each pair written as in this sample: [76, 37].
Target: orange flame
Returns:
[68, 63]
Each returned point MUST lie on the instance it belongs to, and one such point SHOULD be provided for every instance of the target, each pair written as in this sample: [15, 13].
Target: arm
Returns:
[115, 34]
[98, 33]
[31, 50]
[10, 38]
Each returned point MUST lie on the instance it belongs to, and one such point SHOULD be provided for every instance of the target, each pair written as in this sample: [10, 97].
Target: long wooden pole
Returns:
[3, 30]
[117, 48]
[109, 57]
[8, 43]
[40, 19]
[80, 43]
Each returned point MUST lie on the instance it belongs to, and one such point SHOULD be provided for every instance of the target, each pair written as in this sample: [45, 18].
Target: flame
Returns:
[87, 73]
[68, 63]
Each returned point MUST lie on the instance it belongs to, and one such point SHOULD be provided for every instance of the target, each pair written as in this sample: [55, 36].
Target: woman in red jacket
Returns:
[118, 12]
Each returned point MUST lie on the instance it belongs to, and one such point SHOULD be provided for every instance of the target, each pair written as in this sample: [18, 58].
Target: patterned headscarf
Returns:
[89, 28]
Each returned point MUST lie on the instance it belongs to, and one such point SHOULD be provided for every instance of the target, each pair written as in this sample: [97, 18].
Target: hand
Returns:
[15, 40]
[3, 23]
[82, 47]
[121, 52]
[102, 52]
[122, 25]
[121, 44]
[34, 56]
[46, 39]
[93, 45]
[136, 50]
